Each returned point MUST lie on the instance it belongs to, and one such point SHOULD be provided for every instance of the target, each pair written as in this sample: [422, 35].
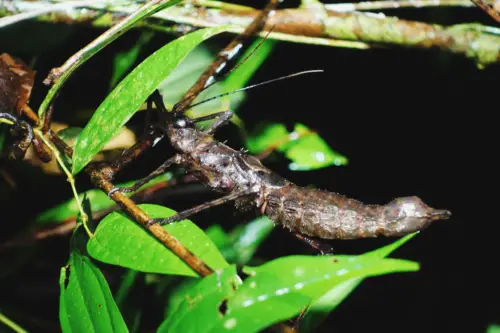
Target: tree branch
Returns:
[321, 26]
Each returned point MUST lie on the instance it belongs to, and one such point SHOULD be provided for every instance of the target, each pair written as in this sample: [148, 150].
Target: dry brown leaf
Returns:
[123, 140]
[16, 82]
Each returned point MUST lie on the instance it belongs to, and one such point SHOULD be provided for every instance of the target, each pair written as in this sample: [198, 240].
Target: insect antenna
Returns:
[254, 86]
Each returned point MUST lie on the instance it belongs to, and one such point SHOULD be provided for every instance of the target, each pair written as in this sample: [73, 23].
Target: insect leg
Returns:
[176, 159]
[188, 212]
[315, 244]
[221, 119]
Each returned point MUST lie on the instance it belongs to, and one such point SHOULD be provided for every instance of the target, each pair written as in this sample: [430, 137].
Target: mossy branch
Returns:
[314, 25]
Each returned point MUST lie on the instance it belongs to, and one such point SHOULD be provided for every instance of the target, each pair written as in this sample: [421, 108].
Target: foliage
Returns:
[247, 298]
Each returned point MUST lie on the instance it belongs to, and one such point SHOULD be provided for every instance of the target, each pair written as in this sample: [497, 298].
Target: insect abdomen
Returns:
[330, 215]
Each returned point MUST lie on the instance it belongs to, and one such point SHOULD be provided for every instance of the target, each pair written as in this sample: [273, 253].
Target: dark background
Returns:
[411, 122]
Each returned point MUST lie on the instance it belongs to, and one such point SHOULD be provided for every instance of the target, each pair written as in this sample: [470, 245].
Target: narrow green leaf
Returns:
[125, 60]
[242, 242]
[120, 241]
[86, 302]
[276, 291]
[321, 308]
[100, 42]
[240, 76]
[126, 285]
[184, 76]
[282, 288]
[97, 198]
[131, 92]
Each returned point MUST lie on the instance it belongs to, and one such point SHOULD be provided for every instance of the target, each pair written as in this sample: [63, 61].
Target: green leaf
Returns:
[124, 60]
[272, 135]
[306, 149]
[321, 308]
[98, 202]
[120, 241]
[282, 288]
[311, 152]
[277, 290]
[86, 302]
[240, 76]
[493, 329]
[184, 76]
[99, 43]
[131, 92]
[241, 244]
[201, 303]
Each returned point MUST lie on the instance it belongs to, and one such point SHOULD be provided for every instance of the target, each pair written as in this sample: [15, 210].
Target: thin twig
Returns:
[224, 56]
[488, 9]
[396, 4]
[14, 326]
[60, 7]
[337, 29]
[140, 216]
[83, 216]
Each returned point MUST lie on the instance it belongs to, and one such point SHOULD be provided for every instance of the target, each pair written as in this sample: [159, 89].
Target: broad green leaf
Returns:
[201, 303]
[86, 302]
[278, 290]
[306, 149]
[272, 135]
[120, 241]
[310, 151]
[124, 60]
[131, 92]
[98, 202]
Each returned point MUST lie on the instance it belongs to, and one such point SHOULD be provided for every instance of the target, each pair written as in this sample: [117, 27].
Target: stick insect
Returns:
[309, 214]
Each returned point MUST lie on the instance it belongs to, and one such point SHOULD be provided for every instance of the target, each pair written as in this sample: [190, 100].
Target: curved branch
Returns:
[320, 26]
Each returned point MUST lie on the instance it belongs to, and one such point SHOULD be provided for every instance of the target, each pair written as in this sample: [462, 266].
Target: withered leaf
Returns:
[16, 82]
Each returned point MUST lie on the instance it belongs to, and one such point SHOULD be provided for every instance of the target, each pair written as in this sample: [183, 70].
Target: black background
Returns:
[411, 122]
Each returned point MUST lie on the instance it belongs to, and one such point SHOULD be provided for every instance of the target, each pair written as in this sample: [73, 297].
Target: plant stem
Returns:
[59, 75]
[8, 322]
[71, 180]
[6, 121]
[379, 5]
[487, 9]
[339, 28]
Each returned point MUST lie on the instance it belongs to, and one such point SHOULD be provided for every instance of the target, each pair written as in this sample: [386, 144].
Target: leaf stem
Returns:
[6, 121]
[71, 180]
[14, 326]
